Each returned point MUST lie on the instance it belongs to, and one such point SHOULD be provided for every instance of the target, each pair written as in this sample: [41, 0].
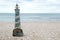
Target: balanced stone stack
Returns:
[17, 17]
[17, 31]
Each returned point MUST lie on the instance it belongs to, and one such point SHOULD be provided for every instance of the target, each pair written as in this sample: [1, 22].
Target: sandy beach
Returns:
[32, 31]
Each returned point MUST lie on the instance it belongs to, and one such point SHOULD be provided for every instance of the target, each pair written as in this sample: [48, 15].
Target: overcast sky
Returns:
[30, 6]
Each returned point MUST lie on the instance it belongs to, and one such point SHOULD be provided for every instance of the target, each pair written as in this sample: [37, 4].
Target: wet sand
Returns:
[32, 31]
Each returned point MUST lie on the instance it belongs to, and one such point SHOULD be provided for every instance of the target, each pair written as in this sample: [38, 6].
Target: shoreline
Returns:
[27, 21]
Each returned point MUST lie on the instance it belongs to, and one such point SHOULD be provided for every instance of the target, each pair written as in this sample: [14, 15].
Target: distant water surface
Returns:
[30, 17]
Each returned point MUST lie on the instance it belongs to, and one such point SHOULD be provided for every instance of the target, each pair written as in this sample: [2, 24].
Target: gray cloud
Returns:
[13, 1]
[28, 0]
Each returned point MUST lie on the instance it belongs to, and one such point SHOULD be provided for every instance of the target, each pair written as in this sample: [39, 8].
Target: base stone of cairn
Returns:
[17, 32]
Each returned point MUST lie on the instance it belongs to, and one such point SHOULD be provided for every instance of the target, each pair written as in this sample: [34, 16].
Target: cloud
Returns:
[41, 6]
[29, 0]
[31, 6]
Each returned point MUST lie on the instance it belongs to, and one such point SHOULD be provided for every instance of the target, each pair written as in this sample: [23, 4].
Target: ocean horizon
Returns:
[30, 17]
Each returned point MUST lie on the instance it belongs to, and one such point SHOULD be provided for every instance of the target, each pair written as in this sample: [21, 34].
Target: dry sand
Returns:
[32, 31]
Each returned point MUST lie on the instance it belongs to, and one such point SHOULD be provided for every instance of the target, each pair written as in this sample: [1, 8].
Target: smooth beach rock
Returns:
[17, 32]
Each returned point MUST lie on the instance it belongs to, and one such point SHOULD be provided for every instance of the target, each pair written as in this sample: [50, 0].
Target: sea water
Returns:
[30, 17]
